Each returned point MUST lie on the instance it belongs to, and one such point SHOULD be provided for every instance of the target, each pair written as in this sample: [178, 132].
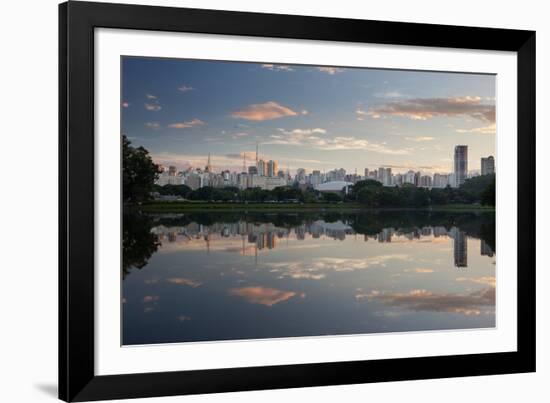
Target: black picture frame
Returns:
[77, 379]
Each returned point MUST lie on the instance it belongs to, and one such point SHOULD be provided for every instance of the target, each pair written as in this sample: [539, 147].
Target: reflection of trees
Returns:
[479, 225]
[138, 243]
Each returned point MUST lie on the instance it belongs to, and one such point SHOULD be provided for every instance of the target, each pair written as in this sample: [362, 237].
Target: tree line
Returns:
[139, 174]
[369, 193]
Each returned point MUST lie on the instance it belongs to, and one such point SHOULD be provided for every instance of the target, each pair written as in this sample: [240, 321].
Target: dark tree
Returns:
[488, 196]
[138, 242]
[331, 197]
[138, 173]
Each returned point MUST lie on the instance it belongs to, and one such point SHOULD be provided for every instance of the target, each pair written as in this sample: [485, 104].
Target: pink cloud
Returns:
[266, 111]
[262, 295]
[428, 108]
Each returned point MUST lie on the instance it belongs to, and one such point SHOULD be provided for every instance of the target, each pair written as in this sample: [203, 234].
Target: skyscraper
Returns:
[488, 165]
[262, 167]
[460, 164]
[272, 168]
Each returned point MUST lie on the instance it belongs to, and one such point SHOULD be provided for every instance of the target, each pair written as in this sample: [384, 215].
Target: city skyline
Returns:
[318, 118]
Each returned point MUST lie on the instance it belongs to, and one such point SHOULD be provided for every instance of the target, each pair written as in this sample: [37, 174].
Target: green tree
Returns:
[138, 173]
[488, 196]
[331, 197]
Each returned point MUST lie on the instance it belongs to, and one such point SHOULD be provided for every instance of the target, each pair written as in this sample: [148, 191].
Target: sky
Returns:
[312, 117]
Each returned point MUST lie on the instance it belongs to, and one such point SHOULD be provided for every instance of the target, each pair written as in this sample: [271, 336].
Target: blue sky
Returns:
[305, 116]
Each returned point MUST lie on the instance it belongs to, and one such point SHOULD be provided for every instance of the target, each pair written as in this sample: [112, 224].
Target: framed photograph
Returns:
[258, 201]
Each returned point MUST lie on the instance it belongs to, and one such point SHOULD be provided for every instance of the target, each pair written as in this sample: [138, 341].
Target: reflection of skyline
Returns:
[252, 275]
[268, 236]
[460, 248]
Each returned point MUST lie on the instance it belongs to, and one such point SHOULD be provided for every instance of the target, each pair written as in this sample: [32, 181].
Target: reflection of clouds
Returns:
[184, 281]
[317, 268]
[183, 318]
[150, 298]
[487, 280]
[419, 270]
[263, 295]
[148, 309]
[423, 300]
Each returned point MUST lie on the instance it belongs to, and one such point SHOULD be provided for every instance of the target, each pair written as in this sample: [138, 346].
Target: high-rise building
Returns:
[409, 177]
[460, 164]
[440, 180]
[262, 168]
[488, 165]
[172, 170]
[366, 172]
[272, 168]
[301, 175]
[425, 181]
[208, 167]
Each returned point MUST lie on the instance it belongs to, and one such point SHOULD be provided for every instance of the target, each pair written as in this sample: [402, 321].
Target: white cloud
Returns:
[318, 268]
[490, 129]
[314, 138]
[185, 88]
[187, 124]
[330, 70]
[420, 139]
[277, 67]
[153, 107]
[153, 125]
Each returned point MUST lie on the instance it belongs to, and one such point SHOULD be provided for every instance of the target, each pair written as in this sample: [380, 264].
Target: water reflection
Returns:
[219, 276]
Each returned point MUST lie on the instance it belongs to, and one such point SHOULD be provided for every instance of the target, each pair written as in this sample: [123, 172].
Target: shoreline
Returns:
[171, 207]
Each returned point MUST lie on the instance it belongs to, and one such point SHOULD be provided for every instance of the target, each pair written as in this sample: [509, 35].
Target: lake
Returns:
[206, 276]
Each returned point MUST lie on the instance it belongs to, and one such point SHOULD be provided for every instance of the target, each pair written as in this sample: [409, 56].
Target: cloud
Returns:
[236, 136]
[277, 67]
[313, 138]
[153, 125]
[419, 270]
[266, 111]
[153, 107]
[420, 139]
[330, 70]
[149, 96]
[183, 318]
[389, 94]
[487, 280]
[490, 129]
[262, 295]
[360, 113]
[185, 125]
[304, 112]
[423, 300]
[427, 108]
[184, 281]
[150, 298]
[125, 104]
[318, 268]
[231, 161]
[185, 88]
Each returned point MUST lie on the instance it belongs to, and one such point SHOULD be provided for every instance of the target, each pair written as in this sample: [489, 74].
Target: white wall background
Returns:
[28, 198]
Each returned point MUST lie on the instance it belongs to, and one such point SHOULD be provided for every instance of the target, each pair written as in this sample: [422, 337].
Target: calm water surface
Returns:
[224, 276]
